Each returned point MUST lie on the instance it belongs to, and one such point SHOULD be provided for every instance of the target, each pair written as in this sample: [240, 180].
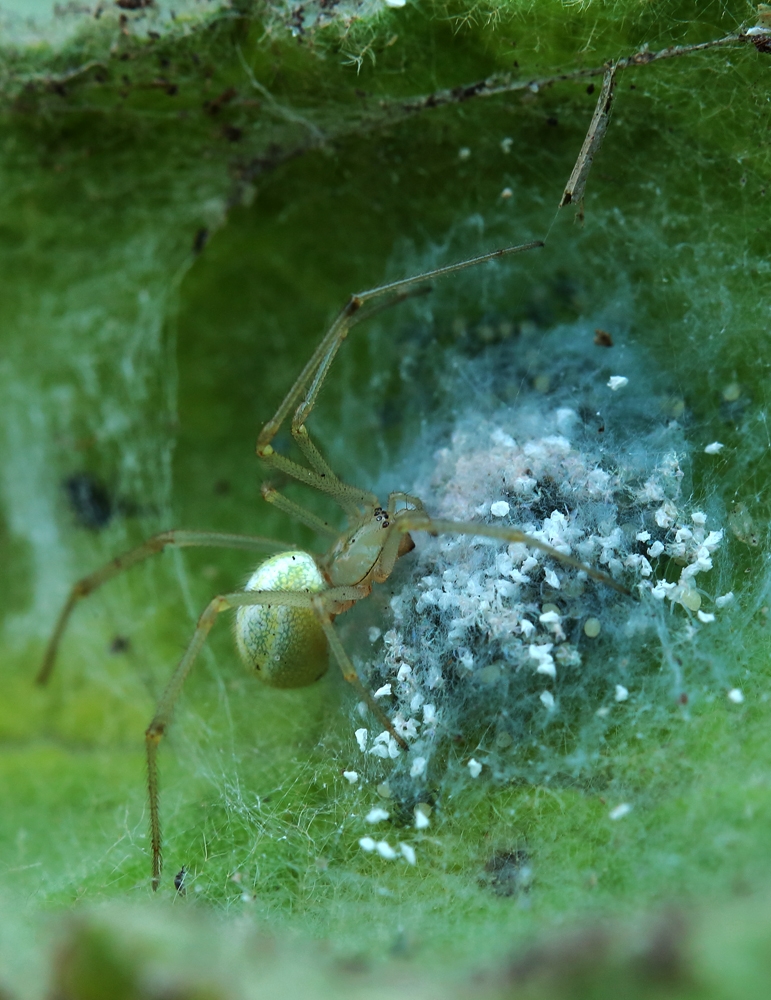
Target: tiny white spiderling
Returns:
[408, 853]
[376, 815]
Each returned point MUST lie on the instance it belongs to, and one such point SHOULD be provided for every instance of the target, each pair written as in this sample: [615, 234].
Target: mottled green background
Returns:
[184, 205]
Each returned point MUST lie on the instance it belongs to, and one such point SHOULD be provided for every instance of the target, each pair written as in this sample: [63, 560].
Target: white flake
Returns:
[367, 844]
[408, 853]
[616, 382]
[714, 449]
[416, 702]
[618, 812]
[418, 768]
[547, 699]
[622, 693]
[474, 768]
[736, 696]
[720, 602]
[466, 659]
[352, 776]
[499, 509]
[376, 815]
[542, 654]
[383, 691]
[422, 820]
[385, 850]
[705, 617]
[361, 738]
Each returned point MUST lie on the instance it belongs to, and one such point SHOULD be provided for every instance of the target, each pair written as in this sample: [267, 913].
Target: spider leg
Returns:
[297, 511]
[335, 598]
[180, 539]
[420, 521]
[398, 497]
[311, 378]
[320, 476]
[307, 386]
[349, 672]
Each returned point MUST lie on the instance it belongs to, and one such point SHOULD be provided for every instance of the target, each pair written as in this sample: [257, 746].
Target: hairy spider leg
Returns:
[297, 511]
[307, 386]
[166, 539]
[418, 520]
[325, 604]
[349, 671]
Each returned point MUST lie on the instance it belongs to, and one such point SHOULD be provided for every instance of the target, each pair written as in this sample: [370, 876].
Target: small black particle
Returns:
[179, 880]
[200, 239]
[508, 873]
[120, 644]
[89, 499]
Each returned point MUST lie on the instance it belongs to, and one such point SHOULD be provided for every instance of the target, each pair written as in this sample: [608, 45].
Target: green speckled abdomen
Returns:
[286, 646]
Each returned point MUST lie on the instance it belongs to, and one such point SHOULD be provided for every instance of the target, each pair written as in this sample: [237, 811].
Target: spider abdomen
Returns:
[285, 645]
